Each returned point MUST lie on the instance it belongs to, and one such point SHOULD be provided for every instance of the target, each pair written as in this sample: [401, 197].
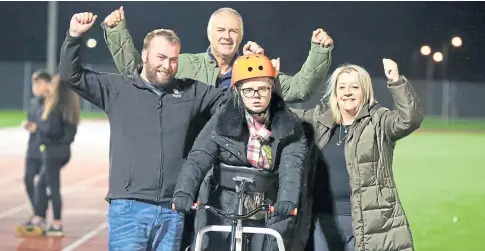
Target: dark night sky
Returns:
[364, 32]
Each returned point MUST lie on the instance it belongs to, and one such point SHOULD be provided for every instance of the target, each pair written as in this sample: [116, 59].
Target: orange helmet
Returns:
[252, 66]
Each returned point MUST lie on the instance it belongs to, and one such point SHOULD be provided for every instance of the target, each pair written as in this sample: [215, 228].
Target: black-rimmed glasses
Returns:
[250, 92]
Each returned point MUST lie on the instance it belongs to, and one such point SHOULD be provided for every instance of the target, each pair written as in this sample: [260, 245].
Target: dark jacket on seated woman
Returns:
[224, 143]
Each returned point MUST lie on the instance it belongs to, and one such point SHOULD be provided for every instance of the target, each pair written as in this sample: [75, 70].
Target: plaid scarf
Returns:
[259, 150]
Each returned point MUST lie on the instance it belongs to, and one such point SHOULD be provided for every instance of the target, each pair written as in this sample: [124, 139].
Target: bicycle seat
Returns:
[263, 181]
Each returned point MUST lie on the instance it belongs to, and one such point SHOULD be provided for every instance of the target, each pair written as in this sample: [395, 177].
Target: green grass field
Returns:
[439, 176]
[475, 124]
[9, 118]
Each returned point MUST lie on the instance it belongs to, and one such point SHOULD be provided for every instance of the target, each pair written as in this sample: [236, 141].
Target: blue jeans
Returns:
[137, 226]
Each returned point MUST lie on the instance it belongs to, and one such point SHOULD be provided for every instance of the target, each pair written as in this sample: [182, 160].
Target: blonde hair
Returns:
[363, 80]
[67, 100]
[170, 35]
[225, 10]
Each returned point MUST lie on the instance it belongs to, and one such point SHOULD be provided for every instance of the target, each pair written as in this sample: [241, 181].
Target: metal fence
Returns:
[449, 99]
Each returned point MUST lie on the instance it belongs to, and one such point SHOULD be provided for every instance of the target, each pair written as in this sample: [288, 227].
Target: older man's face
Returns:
[225, 34]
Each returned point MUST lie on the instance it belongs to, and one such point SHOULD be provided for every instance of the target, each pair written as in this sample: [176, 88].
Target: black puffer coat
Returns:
[224, 141]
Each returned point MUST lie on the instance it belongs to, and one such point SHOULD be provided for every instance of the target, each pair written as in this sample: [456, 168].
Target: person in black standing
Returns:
[33, 161]
[56, 130]
[154, 119]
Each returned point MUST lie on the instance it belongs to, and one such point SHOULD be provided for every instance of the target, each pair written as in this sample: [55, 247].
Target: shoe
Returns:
[30, 229]
[54, 231]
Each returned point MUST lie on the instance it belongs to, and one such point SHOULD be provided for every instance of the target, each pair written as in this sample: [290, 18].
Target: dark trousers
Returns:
[332, 233]
[188, 233]
[50, 179]
[32, 168]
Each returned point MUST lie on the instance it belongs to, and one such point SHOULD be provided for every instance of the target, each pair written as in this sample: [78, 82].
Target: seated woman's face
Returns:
[349, 93]
[256, 93]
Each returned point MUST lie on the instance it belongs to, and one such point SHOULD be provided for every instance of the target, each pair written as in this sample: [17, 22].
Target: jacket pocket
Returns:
[388, 194]
[388, 188]
[385, 192]
[386, 200]
[144, 175]
[130, 174]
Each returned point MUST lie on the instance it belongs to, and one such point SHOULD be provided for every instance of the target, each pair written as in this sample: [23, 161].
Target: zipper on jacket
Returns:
[354, 162]
[159, 189]
[274, 150]
[159, 103]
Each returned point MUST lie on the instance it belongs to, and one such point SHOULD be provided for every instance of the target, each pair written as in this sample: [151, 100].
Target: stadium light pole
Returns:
[455, 42]
[430, 64]
[449, 104]
[426, 51]
[52, 18]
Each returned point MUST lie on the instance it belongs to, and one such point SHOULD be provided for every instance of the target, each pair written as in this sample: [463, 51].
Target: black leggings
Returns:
[333, 233]
[32, 168]
[50, 179]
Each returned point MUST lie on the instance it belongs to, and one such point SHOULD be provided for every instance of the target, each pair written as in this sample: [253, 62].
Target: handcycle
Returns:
[236, 227]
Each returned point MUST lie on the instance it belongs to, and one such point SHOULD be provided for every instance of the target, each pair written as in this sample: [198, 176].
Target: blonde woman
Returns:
[355, 202]
[56, 130]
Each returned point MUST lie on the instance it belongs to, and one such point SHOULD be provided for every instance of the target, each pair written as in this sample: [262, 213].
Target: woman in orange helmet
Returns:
[254, 133]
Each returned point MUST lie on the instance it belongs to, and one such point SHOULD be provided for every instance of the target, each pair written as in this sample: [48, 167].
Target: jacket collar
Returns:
[176, 84]
[231, 120]
[212, 58]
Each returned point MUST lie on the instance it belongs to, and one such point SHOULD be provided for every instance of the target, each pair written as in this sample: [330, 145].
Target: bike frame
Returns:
[236, 228]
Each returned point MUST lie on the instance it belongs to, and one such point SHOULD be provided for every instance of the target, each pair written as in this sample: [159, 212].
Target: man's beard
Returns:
[151, 74]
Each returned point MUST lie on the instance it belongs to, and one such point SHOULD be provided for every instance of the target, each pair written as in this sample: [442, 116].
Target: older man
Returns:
[225, 32]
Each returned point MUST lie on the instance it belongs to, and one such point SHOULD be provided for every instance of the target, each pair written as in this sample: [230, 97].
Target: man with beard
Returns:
[151, 117]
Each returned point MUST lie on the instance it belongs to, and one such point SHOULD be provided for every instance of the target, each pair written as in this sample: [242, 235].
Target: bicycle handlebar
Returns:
[218, 212]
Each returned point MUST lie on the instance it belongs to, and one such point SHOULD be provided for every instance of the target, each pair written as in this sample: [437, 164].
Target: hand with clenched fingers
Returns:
[252, 48]
[321, 37]
[113, 19]
[81, 23]
[390, 69]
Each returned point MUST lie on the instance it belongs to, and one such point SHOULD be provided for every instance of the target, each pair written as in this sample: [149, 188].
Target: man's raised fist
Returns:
[81, 22]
